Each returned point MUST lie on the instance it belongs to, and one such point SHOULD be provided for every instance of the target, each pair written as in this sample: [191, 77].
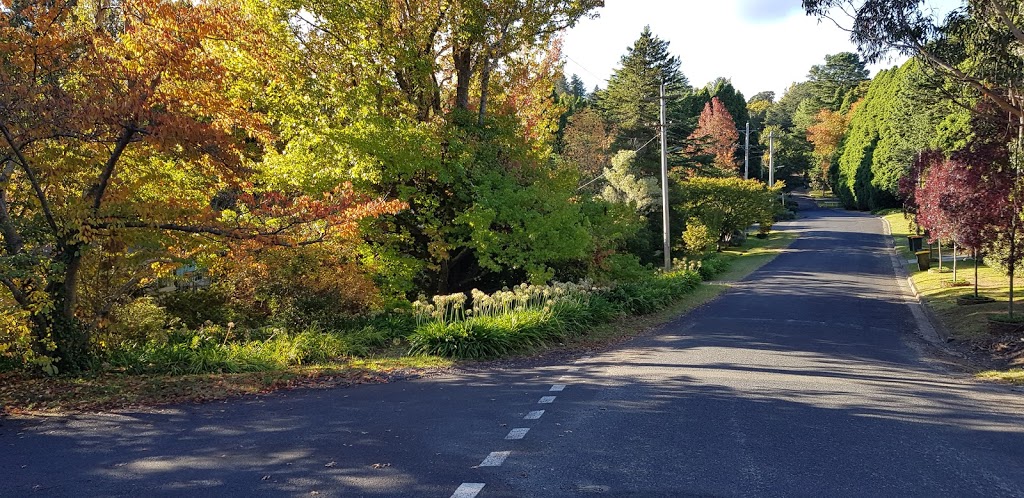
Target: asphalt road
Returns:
[807, 379]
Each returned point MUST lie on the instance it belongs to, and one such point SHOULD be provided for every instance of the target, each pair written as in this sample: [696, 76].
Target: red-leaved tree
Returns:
[997, 186]
[716, 136]
[962, 201]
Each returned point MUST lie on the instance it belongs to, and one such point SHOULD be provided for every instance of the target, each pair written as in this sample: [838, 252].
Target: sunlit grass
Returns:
[966, 323]
[1012, 376]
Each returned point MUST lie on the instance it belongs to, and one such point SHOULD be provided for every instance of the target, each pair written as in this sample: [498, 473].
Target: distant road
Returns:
[807, 379]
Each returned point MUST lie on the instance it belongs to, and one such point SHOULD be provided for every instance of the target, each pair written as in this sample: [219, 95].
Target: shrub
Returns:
[198, 306]
[712, 265]
[297, 287]
[728, 205]
[698, 239]
[138, 321]
[620, 267]
[655, 292]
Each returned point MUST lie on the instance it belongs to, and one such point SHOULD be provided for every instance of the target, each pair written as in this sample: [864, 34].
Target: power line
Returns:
[581, 66]
[655, 137]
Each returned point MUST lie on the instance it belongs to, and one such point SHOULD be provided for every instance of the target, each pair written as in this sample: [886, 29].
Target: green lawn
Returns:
[964, 323]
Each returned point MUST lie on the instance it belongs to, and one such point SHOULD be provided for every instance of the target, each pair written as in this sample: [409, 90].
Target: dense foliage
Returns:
[227, 186]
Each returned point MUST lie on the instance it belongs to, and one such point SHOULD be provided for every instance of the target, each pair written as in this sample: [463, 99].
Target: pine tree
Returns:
[577, 88]
[832, 81]
[630, 102]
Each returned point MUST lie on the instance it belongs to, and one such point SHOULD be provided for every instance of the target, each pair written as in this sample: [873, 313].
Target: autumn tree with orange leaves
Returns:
[826, 134]
[716, 136]
[121, 134]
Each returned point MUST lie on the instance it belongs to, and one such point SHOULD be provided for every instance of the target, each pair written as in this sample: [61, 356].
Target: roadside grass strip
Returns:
[939, 291]
[27, 394]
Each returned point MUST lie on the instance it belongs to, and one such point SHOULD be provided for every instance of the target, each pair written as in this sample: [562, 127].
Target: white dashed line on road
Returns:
[534, 415]
[468, 490]
[495, 459]
[547, 399]
[517, 433]
[558, 388]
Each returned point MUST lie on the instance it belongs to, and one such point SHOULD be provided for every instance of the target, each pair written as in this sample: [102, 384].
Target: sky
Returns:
[758, 44]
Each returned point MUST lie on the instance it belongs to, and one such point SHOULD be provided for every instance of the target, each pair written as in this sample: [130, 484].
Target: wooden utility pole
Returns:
[746, 154]
[664, 183]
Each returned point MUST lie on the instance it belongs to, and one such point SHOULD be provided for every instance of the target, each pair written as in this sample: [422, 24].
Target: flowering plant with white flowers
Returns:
[452, 308]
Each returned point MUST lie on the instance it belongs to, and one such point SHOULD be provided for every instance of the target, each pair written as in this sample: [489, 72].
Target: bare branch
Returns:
[1005, 17]
[33, 180]
[100, 189]
[275, 236]
[19, 296]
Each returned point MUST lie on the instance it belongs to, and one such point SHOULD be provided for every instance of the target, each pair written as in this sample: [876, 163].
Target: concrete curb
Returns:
[928, 325]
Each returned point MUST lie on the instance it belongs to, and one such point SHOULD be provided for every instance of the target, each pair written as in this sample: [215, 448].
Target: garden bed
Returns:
[214, 364]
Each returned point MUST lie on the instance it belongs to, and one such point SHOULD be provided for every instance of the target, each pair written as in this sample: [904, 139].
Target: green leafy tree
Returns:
[731, 98]
[832, 82]
[626, 185]
[631, 104]
[887, 129]
[977, 46]
[587, 144]
[727, 205]
[792, 152]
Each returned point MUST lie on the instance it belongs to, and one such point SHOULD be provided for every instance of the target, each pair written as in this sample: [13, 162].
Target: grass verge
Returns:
[742, 262]
[23, 394]
[967, 325]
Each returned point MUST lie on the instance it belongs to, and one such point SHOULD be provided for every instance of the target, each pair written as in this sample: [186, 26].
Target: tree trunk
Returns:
[442, 278]
[69, 334]
[485, 80]
[954, 261]
[976, 256]
[463, 59]
[1012, 260]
